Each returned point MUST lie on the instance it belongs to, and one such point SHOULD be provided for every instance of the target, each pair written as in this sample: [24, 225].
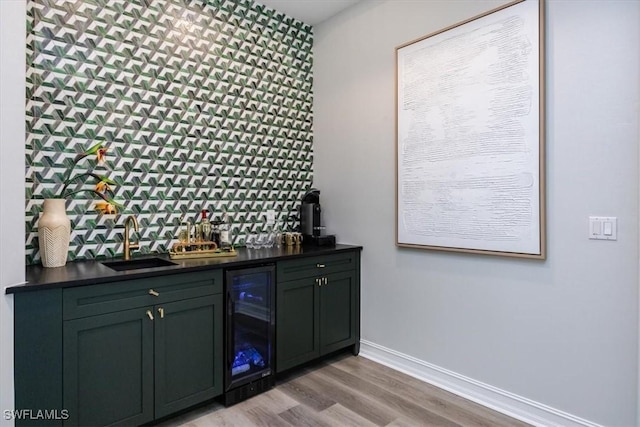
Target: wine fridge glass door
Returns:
[250, 324]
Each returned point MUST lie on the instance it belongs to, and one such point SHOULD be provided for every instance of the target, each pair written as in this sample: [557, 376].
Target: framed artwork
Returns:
[470, 135]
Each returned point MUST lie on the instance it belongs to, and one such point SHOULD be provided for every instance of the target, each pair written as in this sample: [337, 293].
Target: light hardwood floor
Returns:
[347, 391]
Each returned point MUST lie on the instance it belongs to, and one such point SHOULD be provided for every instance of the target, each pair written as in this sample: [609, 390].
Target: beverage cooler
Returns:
[249, 332]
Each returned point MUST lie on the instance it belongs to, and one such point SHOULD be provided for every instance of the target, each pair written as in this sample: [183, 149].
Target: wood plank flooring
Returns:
[347, 391]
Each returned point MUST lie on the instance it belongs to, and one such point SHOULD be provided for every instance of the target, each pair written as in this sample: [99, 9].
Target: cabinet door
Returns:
[338, 311]
[38, 354]
[108, 369]
[188, 347]
[297, 323]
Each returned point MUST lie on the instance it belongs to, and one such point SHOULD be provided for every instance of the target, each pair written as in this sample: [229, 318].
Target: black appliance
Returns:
[311, 221]
[249, 332]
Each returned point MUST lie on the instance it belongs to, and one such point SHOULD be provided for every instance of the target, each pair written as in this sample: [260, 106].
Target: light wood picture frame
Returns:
[470, 135]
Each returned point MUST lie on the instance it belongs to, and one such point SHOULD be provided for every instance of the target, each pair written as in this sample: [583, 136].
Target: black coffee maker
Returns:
[311, 221]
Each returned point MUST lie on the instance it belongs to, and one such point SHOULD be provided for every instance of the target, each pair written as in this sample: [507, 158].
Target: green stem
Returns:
[76, 159]
[102, 196]
[69, 181]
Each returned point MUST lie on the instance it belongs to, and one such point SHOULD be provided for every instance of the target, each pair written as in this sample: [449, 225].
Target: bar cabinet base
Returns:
[246, 391]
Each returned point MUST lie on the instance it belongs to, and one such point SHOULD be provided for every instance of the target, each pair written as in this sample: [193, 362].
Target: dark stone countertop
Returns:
[92, 272]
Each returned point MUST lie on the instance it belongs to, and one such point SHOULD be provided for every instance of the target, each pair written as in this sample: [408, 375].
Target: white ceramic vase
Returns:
[54, 232]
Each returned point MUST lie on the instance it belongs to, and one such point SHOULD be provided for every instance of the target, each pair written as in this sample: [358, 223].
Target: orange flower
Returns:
[100, 155]
[102, 187]
[103, 184]
[105, 208]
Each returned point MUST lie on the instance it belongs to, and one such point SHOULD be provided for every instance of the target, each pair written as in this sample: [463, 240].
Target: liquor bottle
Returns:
[205, 226]
[215, 233]
[225, 231]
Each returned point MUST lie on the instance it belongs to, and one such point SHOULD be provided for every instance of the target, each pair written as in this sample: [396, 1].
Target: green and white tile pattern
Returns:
[202, 104]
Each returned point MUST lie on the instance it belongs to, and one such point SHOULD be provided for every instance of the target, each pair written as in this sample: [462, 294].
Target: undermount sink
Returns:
[138, 264]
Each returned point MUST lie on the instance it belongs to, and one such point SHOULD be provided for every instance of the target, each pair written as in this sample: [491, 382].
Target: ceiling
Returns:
[311, 12]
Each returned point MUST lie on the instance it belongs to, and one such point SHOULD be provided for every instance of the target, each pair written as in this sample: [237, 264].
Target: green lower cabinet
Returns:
[297, 323]
[134, 366]
[315, 316]
[108, 369]
[338, 312]
[133, 351]
[188, 342]
[38, 356]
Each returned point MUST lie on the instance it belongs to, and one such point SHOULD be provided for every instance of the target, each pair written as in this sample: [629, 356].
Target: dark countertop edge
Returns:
[92, 272]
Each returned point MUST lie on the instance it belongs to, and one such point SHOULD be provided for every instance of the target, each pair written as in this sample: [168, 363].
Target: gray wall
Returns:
[563, 332]
[12, 130]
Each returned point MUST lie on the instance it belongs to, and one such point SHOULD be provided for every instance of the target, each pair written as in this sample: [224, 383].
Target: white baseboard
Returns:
[510, 404]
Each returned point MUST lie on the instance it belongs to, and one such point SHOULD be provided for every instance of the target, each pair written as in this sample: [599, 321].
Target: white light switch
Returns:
[603, 228]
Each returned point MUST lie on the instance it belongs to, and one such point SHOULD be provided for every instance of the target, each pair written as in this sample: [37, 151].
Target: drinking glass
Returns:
[270, 239]
[261, 240]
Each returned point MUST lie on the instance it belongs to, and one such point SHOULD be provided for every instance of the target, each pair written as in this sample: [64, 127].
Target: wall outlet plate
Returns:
[271, 217]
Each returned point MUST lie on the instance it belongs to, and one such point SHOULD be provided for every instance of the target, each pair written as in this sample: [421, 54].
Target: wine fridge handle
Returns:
[230, 332]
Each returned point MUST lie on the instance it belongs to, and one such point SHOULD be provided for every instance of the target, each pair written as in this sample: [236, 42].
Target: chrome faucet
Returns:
[127, 244]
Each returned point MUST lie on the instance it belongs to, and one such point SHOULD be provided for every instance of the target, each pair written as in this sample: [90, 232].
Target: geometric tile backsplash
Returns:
[202, 104]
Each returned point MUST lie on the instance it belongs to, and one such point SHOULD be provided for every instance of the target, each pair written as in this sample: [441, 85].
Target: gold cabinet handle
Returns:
[161, 311]
[325, 280]
[154, 293]
[320, 265]
[149, 314]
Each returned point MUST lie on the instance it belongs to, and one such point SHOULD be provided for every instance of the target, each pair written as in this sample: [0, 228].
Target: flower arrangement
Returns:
[103, 184]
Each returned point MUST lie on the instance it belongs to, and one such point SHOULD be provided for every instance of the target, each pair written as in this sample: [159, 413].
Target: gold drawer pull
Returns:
[320, 265]
[161, 311]
[150, 314]
[154, 293]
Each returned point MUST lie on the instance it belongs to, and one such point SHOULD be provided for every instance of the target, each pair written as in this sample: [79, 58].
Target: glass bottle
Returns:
[205, 227]
[225, 231]
[279, 234]
[215, 233]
